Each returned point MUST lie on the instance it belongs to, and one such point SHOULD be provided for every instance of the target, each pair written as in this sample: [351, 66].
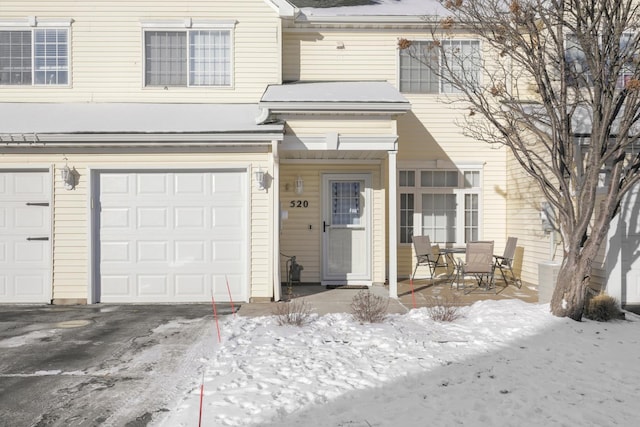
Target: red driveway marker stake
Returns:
[201, 397]
[230, 299]
[215, 314]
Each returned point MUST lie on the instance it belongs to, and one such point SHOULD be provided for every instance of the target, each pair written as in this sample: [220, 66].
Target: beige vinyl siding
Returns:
[72, 234]
[297, 239]
[107, 49]
[431, 132]
[523, 219]
[367, 55]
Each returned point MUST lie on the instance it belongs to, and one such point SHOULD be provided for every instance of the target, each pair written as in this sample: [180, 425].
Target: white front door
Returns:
[172, 236]
[346, 229]
[25, 229]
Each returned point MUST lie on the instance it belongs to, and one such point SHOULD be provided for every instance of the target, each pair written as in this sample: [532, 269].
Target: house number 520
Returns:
[299, 204]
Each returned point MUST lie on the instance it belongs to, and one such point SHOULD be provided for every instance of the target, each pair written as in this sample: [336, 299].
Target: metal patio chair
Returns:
[478, 262]
[504, 263]
[425, 255]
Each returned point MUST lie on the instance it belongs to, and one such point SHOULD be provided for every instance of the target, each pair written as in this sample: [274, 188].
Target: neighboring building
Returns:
[204, 141]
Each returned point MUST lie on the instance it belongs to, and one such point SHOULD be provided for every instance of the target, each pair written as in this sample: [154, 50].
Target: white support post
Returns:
[275, 213]
[393, 225]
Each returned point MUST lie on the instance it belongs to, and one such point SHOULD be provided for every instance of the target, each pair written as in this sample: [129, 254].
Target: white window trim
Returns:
[189, 23]
[31, 23]
[459, 192]
[186, 25]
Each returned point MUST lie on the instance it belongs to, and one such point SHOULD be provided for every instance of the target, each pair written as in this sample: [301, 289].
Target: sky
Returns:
[502, 363]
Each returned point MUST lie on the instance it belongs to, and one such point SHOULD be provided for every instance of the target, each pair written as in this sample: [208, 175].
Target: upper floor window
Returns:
[199, 57]
[422, 68]
[579, 73]
[37, 56]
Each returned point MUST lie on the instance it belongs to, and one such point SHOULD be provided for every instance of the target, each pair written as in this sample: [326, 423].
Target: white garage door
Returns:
[172, 236]
[25, 227]
[630, 262]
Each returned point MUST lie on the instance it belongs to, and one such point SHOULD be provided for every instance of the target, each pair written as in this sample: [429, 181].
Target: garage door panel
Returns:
[227, 217]
[114, 251]
[152, 285]
[189, 252]
[117, 217]
[31, 252]
[29, 286]
[190, 284]
[190, 184]
[115, 184]
[189, 217]
[148, 217]
[226, 251]
[25, 265]
[152, 184]
[116, 286]
[172, 238]
[30, 218]
[152, 251]
[228, 184]
[31, 185]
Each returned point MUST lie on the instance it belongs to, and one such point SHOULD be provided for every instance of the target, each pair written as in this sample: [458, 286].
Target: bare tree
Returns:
[558, 83]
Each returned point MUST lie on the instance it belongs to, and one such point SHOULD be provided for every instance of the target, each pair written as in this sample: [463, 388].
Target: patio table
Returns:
[449, 257]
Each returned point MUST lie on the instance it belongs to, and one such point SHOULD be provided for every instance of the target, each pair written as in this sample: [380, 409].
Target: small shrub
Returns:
[295, 312]
[369, 308]
[444, 309]
[602, 308]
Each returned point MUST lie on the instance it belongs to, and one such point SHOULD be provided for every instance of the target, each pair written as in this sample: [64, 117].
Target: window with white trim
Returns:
[419, 61]
[581, 75]
[34, 56]
[443, 204]
[194, 57]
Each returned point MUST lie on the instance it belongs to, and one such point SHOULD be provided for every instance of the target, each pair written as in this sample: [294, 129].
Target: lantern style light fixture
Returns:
[259, 177]
[67, 175]
[299, 185]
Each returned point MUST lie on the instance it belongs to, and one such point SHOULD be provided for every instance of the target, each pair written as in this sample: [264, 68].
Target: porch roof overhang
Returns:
[322, 99]
[371, 98]
[133, 124]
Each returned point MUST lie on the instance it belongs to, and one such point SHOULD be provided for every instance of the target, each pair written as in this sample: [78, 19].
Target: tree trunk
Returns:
[569, 295]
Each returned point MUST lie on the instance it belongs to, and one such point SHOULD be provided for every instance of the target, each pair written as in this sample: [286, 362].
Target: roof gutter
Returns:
[148, 139]
[293, 107]
[369, 19]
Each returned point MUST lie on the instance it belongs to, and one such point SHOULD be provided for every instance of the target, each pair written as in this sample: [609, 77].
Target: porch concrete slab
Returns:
[323, 300]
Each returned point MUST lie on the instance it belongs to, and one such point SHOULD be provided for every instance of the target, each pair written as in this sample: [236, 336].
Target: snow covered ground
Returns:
[504, 363]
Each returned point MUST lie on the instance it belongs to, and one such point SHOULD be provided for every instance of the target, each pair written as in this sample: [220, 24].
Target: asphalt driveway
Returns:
[117, 365]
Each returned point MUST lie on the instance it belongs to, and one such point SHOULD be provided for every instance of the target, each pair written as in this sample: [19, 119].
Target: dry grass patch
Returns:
[296, 312]
[369, 308]
[444, 309]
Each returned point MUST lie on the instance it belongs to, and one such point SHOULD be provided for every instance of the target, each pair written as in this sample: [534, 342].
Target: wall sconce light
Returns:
[299, 187]
[68, 176]
[260, 178]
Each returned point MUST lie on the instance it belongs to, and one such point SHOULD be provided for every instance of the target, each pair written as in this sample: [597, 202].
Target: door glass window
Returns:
[345, 203]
